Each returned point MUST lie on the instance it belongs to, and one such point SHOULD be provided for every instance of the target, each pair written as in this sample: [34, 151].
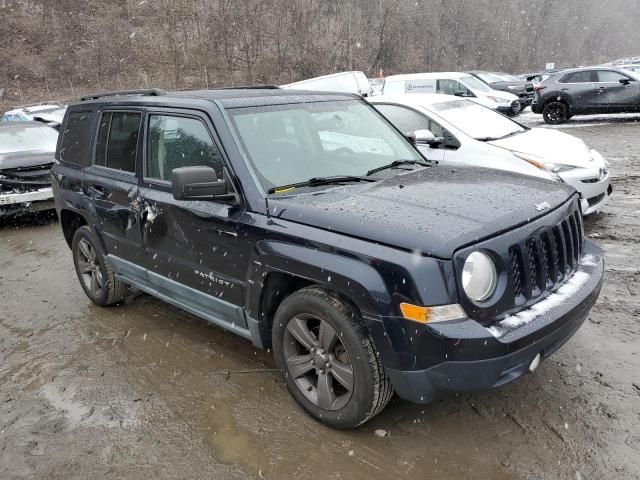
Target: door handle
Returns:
[97, 190]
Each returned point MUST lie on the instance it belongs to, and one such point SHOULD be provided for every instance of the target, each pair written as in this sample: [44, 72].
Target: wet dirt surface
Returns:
[143, 390]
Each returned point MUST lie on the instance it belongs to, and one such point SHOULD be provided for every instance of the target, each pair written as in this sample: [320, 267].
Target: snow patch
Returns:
[557, 298]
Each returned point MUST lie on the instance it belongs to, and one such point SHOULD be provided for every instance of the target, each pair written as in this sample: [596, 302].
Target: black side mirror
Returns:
[625, 81]
[197, 183]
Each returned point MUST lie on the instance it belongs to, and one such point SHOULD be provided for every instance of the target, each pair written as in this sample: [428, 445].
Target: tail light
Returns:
[538, 87]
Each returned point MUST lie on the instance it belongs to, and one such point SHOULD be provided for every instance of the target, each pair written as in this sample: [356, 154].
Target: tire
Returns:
[322, 389]
[555, 113]
[96, 278]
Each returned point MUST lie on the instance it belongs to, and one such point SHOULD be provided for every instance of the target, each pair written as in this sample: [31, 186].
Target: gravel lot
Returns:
[143, 390]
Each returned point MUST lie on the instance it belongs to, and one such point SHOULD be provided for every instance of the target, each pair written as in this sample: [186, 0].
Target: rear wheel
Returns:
[555, 113]
[97, 279]
[328, 360]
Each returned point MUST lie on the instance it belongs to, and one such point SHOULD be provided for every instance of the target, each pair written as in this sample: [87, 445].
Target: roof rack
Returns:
[252, 87]
[149, 92]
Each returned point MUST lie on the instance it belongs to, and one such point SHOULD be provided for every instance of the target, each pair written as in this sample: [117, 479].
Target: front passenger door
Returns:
[614, 96]
[193, 243]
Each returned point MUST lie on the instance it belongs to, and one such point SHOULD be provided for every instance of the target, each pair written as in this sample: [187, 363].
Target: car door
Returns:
[193, 247]
[581, 87]
[408, 120]
[110, 182]
[617, 92]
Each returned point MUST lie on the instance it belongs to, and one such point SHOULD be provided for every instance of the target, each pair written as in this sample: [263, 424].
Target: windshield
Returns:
[292, 143]
[475, 120]
[508, 78]
[490, 77]
[28, 139]
[475, 84]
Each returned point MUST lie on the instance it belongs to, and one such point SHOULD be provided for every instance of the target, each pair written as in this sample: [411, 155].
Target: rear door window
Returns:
[578, 77]
[117, 144]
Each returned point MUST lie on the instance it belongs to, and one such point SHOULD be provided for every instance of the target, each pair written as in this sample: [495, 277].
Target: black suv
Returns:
[583, 91]
[508, 83]
[306, 223]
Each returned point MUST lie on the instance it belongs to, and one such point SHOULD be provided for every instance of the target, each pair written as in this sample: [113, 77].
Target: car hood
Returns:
[501, 85]
[30, 158]
[549, 145]
[433, 211]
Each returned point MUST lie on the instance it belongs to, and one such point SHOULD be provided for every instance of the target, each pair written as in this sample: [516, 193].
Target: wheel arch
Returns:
[279, 269]
[70, 221]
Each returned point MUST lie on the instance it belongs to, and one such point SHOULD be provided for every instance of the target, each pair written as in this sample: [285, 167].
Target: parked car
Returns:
[453, 83]
[376, 85]
[305, 222]
[462, 132]
[508, 83]
[27, 152]
[345, 82]
[49, 113]
[583, 91]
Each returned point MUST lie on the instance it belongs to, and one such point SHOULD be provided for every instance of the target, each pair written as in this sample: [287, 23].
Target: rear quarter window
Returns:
[75, 145]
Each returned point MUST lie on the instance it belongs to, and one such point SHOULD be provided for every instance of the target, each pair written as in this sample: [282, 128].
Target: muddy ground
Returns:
[144, 390]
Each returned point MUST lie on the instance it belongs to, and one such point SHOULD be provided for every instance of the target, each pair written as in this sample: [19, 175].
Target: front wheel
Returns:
[97, 279]
[328, 360]
[555, 113]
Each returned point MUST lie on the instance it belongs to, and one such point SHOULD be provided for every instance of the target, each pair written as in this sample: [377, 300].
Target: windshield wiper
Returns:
[317, 181]
[493, 139]
[397, 163]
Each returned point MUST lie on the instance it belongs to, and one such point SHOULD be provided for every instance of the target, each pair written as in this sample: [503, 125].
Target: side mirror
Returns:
[625, 81]
[197, 183]
[425, 137]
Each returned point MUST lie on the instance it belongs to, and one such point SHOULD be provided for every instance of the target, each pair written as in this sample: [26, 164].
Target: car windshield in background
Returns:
[508, 78]
[28, 138]
[474, 83]
[477, 121]
[490, 77]
[293, 143]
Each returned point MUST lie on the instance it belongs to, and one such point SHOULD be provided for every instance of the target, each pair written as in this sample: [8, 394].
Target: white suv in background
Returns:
[453, 83]
[454, 130]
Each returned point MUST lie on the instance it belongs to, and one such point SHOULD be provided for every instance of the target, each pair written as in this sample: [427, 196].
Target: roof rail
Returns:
[252, 87]
[149, 92]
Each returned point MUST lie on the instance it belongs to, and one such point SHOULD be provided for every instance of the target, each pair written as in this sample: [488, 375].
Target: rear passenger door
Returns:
[192, 243]
[111, 184]
[581, 87]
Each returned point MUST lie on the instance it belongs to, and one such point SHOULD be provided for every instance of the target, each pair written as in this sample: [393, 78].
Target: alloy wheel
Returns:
[89, 267]
[318, 361]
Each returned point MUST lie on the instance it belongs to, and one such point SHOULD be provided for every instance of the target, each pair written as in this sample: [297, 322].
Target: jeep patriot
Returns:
[307, 224]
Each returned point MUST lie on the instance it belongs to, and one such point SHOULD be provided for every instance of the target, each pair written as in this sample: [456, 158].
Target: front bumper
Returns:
[34, 201]
[594, 189]
[463, 355]
[511, 109]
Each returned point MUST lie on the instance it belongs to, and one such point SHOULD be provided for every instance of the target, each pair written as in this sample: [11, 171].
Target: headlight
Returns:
[540, 163]
[479, 277]
[513, 87]
[498, 99]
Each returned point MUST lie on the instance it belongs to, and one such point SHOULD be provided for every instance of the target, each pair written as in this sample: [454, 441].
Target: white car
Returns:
[50, 113]
[459, 131]
[453, 83]
[345, 82]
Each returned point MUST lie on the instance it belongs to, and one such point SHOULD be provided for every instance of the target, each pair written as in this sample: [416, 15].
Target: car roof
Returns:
[413, 99]
[228, 98]
[417, 76]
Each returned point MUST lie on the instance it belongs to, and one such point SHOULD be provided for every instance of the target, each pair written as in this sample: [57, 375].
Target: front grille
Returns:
[529, 87]
[546, 259]
[35, 176]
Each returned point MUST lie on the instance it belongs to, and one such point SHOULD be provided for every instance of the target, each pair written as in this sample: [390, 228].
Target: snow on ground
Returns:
[530, 119]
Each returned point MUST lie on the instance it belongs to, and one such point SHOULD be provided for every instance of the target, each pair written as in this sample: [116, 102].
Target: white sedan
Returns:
[459, 131]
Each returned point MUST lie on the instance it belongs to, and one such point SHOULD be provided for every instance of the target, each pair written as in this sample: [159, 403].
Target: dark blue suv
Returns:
[306, 223]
